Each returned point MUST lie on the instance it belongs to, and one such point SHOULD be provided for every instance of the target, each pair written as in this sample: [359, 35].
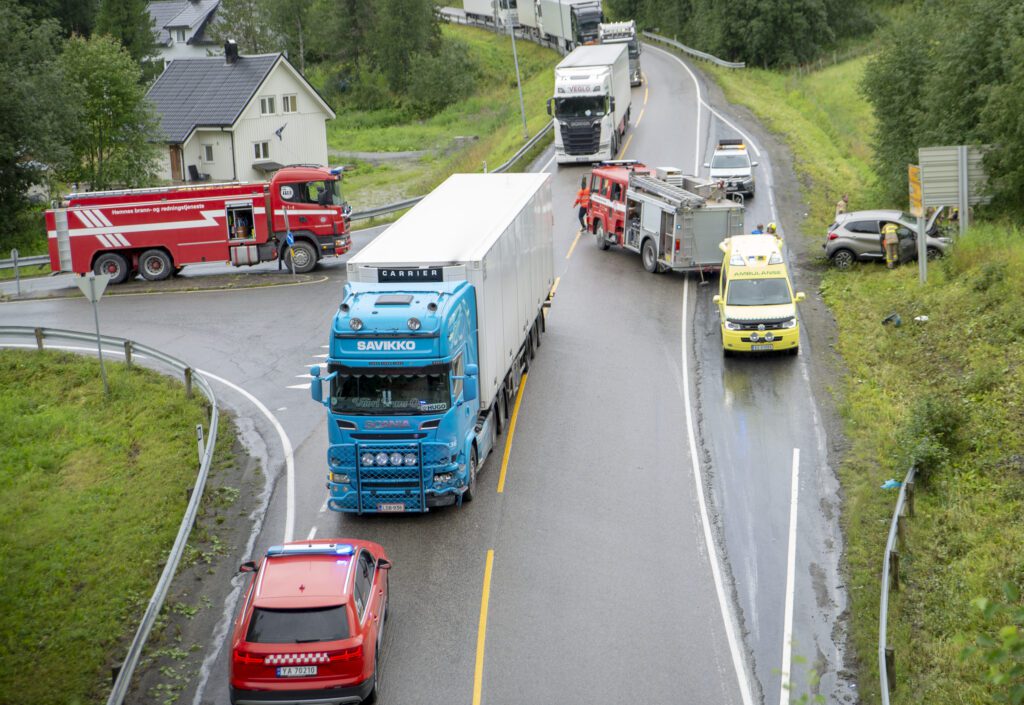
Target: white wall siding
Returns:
[220, 169]
[304, 137]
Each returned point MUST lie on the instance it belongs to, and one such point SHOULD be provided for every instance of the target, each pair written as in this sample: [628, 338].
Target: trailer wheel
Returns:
[602, 241]
[113, 264]
[305, 257]
[155, 265]
[467, 496]
[649, 256]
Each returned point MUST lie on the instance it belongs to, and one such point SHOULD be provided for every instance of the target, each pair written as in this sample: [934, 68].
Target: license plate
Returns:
[295, 671]
[765, 346]
[391, 507]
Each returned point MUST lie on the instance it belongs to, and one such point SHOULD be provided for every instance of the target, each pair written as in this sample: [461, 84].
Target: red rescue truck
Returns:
[157, 231]
[674, 221]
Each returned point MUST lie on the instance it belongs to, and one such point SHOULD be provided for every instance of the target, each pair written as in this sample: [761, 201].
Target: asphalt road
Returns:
[603, 587]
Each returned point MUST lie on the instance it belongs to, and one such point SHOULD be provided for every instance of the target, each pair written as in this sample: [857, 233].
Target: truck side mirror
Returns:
[549, 106]
[753, 163]
[470, 383]
[316, 384]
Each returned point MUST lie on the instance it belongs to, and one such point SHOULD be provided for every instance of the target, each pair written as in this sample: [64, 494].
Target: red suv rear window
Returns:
[299, 626]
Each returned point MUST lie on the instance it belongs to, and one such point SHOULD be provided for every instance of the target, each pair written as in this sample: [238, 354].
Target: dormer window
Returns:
[179, 35]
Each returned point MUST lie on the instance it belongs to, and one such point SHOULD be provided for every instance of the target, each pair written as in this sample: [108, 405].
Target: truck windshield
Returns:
[580, 106]
[634, 49]
[402, 390]
[324, 193]
[758, 292]
[730, 161]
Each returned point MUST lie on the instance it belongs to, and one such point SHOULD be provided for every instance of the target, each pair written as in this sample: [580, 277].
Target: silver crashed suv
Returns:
[857, 236]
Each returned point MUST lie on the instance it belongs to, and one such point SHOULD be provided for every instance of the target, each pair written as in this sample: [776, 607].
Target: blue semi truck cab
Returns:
[403, 408]
[439, 319]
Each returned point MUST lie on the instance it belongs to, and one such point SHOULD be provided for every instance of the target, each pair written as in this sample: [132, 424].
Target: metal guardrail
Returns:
[891, 578]
[410, 202]
[34, 261]
[696, 53]
[40, 336]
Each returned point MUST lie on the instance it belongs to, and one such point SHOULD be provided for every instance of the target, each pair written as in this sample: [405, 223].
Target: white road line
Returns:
[787, 620]
[321, 356]
[548, 163]
[323, 507]
[312, 534]
[297, 386]
[716, 571]
[286, 444]
[305, 376]
[325, 347]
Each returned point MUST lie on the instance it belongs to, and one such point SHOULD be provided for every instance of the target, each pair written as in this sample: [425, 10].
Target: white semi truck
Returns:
[592, 103]
[569, 23]
[624, 33]
[484, 11]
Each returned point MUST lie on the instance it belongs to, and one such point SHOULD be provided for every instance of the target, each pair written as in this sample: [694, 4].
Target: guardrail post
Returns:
[39, 338]
[188, 382]
[910, 498]
[17, 272]
[115, 671]
[894, 570]
[890, 667]
[899, 529]
[199, 439]
[128, 353]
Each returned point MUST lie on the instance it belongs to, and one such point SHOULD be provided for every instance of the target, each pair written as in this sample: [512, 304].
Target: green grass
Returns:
[947, 393]
[492, 116]
[93, 490]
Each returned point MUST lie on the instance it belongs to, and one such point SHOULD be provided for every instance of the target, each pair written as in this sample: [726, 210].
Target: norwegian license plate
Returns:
[295, 671]
[391, 507]
[761, 347]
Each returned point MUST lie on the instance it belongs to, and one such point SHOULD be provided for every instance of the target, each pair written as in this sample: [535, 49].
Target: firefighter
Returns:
[891, 243]
[773, 230]
[583, 201]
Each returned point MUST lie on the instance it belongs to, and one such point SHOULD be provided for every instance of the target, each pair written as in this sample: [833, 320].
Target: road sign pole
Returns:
[99, 345]
[922, 250]
[519, 82]
[964, 190]
[917, 209]
[17, 274]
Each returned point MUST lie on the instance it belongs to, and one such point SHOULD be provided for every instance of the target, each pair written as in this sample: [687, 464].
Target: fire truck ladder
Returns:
[673, 195]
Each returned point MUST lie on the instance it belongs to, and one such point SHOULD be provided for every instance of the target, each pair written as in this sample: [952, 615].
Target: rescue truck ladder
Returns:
[60, 218]
[672, 194]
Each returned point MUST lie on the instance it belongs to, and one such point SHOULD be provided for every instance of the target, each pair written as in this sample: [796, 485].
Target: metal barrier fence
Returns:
[129, 349]
[696, 53]
[891, 579]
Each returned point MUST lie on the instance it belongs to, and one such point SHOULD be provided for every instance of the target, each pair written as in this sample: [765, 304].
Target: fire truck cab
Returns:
[675, 222]
[157, 231]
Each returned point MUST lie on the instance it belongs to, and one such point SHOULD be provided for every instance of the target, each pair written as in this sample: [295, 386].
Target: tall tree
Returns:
[129, 22]
[74, 16]
[344, 30]
[114, 137]
[405, 28]
[37, 122]
[292, 21]
[246, 22]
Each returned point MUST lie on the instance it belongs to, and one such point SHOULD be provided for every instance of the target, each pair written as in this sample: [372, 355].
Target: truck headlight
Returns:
[729, 325]
[443, 477]
[355, 324]
[366, 458]
[381, 458]
[340, 478]
[410, 459]
[395, 458]
[790, 323]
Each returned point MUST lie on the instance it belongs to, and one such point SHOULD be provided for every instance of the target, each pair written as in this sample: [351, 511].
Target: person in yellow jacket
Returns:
[891, 244]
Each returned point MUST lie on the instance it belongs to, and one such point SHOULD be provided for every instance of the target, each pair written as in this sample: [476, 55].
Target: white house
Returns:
[237, 117]
[181, 28]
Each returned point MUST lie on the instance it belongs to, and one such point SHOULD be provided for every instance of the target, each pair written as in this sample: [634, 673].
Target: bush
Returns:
[438, 80]
[933, 432]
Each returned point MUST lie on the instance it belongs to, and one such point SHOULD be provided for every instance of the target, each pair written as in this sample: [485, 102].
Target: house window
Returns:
[267, 106]
[288, 104]
[207, 152]
[179, 35]
[262, 150]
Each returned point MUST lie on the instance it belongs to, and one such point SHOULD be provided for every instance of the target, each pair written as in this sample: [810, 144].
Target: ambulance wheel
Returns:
[602, 239]
[649, 256]
[155, 265]
[113, 264]
[470, 492]
[305, 257]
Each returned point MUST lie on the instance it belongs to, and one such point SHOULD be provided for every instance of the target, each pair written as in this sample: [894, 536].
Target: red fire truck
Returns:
[674, 221]
[157, 231]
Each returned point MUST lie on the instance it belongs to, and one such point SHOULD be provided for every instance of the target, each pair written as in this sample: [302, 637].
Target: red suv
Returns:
[311, 626]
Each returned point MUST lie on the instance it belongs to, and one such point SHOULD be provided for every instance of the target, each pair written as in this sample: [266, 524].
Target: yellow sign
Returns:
[914, 180]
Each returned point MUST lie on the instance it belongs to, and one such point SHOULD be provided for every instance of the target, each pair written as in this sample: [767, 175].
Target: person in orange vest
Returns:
[583, 201]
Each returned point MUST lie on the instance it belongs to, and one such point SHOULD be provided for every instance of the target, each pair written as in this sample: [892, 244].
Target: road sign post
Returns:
[17, 274]
[917, 210]
[290, 241]
[93, 286]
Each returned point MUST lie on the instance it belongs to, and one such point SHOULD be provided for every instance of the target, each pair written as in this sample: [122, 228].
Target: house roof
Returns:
[190, 15]
[207, 92]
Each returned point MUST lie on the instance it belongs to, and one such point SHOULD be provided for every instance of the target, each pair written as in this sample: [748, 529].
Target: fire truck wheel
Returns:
[155, 265]
[305, 257]
[113, 264]
[649, 256]
[602, 240]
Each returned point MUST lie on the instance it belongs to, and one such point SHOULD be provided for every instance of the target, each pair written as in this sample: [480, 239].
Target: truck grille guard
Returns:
[386, 484]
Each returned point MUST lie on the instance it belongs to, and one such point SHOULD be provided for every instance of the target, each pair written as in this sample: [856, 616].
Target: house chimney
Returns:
[230, 51]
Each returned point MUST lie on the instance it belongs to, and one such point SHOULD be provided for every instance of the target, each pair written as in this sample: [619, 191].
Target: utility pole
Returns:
[515, 58]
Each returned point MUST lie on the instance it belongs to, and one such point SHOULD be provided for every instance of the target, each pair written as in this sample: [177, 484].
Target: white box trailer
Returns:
[569, 22]
[484, 10]
[494, 231]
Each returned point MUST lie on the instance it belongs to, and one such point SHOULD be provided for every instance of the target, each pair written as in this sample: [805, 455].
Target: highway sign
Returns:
[914, 180]
[92, 285]
[291, 239]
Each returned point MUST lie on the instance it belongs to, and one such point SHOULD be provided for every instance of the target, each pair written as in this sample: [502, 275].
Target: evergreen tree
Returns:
[74, 16]
[405, 29]
[129, 22]
[247, 23]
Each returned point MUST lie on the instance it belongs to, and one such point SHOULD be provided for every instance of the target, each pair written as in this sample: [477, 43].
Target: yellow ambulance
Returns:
[755, 299]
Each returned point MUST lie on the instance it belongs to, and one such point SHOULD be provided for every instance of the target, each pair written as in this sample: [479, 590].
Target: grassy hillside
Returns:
[944, 394]
[491, 118]
[93, 491]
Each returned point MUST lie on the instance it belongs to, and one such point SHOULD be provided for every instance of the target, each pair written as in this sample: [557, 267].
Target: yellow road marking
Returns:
[511, 433]
[647, 89]
[573, 246]
[639, 118]
[622, 152]
[481, 632]
[554, 287]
